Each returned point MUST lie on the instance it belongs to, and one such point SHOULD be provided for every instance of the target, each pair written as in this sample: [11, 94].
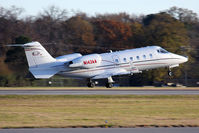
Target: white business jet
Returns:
[99, 66]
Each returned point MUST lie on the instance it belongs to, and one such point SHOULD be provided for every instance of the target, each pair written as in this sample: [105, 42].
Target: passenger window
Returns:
[124, 59]
[116, 60]
[131, 58]
[137, 57]
[151, 56]
[144, 56]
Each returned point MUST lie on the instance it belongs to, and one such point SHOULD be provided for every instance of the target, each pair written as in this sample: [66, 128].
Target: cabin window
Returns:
[124, 59]
[137, 57]
[151, 56]
[131, 58]
[144, 56]
[116, 60]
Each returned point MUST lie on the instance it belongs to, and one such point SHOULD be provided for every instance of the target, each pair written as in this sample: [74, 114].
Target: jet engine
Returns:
[68, 57]
[87, 61]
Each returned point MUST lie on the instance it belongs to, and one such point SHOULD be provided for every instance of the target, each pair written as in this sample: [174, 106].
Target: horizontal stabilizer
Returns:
[43, 73]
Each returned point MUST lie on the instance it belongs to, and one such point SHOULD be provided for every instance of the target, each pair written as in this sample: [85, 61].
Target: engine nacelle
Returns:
[87, 61]
[68, 57]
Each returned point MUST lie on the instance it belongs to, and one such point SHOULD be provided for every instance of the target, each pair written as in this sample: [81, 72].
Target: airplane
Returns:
[99, 66]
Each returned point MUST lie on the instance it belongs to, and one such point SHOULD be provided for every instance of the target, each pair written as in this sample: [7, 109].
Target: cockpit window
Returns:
[161, 50]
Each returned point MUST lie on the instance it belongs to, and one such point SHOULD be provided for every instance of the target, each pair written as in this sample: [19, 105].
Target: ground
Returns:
[92, 111]
[98, 88]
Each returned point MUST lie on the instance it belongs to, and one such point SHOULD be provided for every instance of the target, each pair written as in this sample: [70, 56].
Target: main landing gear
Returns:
[91, 84]
[109, 83]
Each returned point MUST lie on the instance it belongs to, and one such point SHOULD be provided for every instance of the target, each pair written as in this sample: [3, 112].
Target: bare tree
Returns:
[12, 13]
[55, 13]
[183, 14]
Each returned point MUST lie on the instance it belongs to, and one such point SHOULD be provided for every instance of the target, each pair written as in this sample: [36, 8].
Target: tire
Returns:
[109, 85]
[91, 84]
[170, 73]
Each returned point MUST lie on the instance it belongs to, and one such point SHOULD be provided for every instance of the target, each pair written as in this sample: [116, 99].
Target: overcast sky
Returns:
[91, 7]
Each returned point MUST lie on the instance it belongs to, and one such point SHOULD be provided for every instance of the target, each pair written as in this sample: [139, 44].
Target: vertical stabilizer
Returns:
[37, 55]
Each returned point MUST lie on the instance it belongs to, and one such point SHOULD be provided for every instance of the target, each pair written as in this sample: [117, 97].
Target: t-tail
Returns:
[40, 62]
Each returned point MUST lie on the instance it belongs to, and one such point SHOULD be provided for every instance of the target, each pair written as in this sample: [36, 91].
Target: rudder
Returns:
[37, 55]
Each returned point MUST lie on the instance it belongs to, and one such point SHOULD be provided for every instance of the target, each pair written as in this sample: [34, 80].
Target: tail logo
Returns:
[36, 53]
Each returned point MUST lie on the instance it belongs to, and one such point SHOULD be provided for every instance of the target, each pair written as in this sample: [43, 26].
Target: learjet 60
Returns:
[99, 66]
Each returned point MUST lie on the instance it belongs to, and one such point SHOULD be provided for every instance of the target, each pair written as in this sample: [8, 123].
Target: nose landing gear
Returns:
[170, 72]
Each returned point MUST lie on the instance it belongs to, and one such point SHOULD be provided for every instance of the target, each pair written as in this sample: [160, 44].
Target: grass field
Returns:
[98, 88]
[84, 111]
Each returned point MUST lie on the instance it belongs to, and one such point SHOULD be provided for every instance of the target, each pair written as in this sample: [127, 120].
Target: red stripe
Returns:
[114, 67]
[149, 64]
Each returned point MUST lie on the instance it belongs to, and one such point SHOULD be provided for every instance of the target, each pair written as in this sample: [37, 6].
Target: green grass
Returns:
[80, 111]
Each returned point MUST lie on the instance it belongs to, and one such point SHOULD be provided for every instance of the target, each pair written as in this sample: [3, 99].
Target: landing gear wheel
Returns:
[91, 84]
[170, 73]
[109, 85]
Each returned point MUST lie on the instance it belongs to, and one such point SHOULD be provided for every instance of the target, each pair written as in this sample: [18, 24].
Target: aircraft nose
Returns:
[184, 59]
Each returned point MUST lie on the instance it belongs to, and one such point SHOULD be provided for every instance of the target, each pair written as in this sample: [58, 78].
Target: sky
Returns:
[93, 7]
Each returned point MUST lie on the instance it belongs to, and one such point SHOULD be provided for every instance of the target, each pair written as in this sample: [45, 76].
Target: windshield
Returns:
[161, 50]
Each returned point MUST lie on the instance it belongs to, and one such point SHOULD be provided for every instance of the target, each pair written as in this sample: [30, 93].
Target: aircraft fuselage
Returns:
[132, 61]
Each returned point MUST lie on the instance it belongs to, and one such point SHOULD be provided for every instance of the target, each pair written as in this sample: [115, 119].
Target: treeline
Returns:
[175, 29]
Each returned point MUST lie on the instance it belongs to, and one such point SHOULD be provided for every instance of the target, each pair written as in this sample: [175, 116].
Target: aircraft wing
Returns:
[112, 72]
